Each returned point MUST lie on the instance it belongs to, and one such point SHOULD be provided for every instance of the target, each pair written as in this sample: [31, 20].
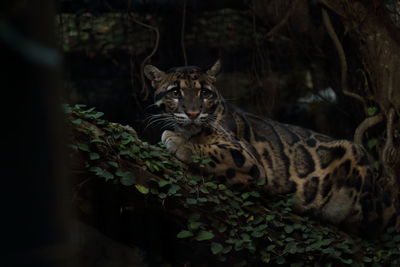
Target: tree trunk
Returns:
[379, 45]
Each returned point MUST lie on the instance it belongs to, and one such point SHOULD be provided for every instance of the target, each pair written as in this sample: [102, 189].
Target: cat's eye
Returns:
[206, 93]
[176, 93]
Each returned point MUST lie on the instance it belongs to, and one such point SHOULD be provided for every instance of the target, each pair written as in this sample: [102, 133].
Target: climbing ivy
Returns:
[229, 221]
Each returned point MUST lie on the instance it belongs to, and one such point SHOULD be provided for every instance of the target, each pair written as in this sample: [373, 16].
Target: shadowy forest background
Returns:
[331, 66]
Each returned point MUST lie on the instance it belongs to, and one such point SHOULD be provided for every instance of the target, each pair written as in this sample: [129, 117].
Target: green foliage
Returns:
[184, 234]
[142, 189]
[372, 143]
[264, 229]
[372, 111]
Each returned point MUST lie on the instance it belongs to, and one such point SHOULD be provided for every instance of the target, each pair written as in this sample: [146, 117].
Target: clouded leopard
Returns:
[332, 179]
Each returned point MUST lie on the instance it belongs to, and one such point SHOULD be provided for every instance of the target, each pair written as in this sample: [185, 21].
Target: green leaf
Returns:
[94, 156]
[128, 179]
[191, 201]
[88, 110]
[261, 227]
[113, 163]
[202, 199]
[221, 187]
[346, 261]
[289, 229]
[96, 140]
[162, 195]
[204, 190]
[205, 161]
[195, 225]
[83, 147]
[222, 228]
[280, 260]
[270, 247]
[163, 183]
[367, 259]
[297, 226]
[107, 175]
[372, 111]
[265, 257]
[372, 142]
[257, 234]
[67, 109]
[135, 149]
[204, 235]
[246, 195]
[227, 249]
[184, 234]
[102, 173]
[291, 248]
[77, 121]
[211, 184]
[173, 189]
[216, 248]
[261, 182]
[96, 115]
[247, 203]
[269, 217]
[100, 122]
[245, 237]
[154, 191]
[142, 189]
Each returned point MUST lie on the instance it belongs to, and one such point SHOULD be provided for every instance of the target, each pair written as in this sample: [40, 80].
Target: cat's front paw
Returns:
[172, 141]
[176, 145]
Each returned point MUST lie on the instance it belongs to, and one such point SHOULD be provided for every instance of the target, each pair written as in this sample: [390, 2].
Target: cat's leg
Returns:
[230, 160]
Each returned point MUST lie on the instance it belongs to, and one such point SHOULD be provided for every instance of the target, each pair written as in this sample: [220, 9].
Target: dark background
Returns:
[104, 49]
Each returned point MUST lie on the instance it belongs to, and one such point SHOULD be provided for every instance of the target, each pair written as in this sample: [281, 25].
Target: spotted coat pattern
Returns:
[332, 179]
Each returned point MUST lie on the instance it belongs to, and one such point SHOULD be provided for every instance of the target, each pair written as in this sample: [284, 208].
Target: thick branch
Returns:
[365, 125]
[244, 223]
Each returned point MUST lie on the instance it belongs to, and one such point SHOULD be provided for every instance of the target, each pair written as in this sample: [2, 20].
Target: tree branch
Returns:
[365, 125]
[235, 225]
[342, 57]
[144, 90]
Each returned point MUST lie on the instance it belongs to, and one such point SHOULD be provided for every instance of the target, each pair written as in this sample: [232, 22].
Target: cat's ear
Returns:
[153, 73]
[214, 70]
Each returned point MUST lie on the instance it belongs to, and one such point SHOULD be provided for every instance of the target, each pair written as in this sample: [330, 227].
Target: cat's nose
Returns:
[192, 114]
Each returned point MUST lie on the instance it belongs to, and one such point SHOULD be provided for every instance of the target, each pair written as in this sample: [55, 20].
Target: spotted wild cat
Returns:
[332, 179]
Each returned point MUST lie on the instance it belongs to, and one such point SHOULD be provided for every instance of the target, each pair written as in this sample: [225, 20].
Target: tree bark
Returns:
[379, 46]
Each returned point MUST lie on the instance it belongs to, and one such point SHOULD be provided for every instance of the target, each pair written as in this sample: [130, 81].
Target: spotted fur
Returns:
[332, 179]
